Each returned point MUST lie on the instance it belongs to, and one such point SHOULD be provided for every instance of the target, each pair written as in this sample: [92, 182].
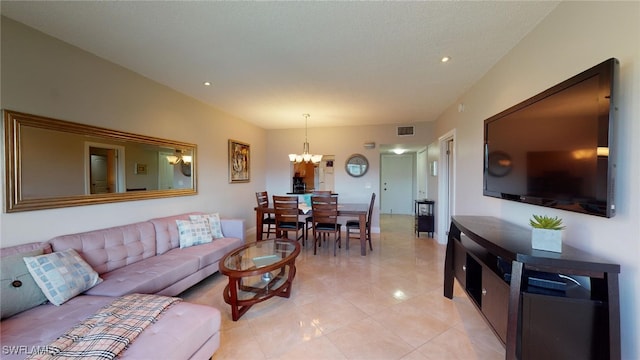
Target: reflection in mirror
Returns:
[356, 165]
[53, 163]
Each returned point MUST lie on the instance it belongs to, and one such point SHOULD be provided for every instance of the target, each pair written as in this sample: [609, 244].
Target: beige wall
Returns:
[573, 38]
[342, 142]
[43, 76]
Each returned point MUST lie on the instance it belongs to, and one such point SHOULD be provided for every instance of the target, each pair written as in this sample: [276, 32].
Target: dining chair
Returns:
[262, 197]
[325, 220]
[354, 225]
[309, 219]
[286, 216]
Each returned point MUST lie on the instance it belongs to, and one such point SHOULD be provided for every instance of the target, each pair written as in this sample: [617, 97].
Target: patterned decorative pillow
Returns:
[194, 232]
[18, 290]
[61, 275]
[214, 223]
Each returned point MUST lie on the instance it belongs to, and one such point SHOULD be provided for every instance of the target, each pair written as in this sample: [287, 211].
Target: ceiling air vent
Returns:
[405, 130]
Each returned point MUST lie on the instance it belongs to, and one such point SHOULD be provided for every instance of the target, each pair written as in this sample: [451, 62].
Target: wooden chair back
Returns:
[324, 210]
[370, 213]
[262, 197]
[286, 212]
[353, 226]
[286, 207]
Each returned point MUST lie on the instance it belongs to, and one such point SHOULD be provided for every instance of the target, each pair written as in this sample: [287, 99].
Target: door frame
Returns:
[446, 185]
[422, 173]
[120, 165]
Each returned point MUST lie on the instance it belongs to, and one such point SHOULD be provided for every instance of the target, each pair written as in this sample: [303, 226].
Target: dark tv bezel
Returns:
[607, 73]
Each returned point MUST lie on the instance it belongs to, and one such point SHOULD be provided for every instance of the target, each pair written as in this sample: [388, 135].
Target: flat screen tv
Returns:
[556, 149]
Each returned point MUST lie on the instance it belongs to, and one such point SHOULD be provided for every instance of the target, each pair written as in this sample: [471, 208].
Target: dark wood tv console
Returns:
[515, 289]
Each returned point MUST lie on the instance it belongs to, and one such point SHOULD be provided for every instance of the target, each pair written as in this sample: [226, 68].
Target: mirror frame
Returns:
[358, 159]
[13, 121]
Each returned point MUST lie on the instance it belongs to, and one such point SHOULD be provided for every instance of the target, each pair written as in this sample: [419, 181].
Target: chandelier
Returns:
[305, 156]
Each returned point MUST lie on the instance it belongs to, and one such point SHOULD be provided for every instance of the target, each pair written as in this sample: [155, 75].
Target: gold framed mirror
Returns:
[53, 163]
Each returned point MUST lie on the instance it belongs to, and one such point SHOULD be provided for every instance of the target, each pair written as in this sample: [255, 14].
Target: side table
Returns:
[424, 219]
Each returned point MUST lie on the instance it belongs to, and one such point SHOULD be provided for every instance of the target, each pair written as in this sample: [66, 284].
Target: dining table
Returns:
[347, 209]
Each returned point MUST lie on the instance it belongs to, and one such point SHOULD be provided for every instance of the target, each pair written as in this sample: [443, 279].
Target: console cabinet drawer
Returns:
[495, 302]
[460, 263]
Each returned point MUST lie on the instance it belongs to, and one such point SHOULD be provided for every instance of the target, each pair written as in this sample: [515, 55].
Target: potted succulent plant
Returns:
[547, 233]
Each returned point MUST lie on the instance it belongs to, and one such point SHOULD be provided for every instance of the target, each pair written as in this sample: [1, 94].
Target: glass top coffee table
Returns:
[257, 272]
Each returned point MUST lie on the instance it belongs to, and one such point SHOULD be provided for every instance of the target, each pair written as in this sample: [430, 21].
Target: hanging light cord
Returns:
[306, 127]
[306, 156]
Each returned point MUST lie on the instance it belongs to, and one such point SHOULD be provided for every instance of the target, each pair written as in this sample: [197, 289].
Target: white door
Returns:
[421, 173]
[104, 168]
[99, 174]
[446, 185]
[396, 184]
[165, 172]
[449, 184]
[324, 174]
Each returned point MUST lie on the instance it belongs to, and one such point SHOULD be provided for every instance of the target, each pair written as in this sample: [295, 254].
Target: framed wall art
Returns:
[140, 169]
[239, 161]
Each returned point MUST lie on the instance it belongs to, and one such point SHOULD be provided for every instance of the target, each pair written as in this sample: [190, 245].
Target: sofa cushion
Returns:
[18, 290]
[147, 276]
[210, 253]
[61, 275]
[22, 248]
[166, 231]
[193, 232]
[109, 249]
[41, 325]
[189, 325]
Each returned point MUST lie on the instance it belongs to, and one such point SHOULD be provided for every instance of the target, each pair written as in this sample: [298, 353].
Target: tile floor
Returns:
[386, 305]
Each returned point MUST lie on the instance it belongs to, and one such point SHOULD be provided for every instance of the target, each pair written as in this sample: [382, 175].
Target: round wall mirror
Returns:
[499, 163]
[185, 169]
[357, 165]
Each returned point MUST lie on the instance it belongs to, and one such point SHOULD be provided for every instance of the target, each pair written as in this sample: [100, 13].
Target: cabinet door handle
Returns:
[464, 267]
[484, 292]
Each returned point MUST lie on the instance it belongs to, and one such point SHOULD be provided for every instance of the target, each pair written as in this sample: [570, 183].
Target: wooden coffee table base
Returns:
[257, 272]
[239, 307]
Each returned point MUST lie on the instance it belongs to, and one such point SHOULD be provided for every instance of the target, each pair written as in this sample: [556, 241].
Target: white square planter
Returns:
[548, 240]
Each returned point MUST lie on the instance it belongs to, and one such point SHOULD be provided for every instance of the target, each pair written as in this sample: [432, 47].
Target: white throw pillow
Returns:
[61, 275]
[194, 232]
[214, 223]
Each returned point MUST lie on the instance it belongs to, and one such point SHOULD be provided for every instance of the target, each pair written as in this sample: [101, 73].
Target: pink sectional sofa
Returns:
[144, 258]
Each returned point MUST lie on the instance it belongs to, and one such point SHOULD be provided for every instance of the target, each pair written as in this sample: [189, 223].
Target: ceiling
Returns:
[345, 63]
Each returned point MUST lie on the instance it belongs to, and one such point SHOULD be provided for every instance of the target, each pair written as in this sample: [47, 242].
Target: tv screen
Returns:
[554, 149]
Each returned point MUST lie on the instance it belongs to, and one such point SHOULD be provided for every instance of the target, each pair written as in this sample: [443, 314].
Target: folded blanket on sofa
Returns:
[109, 331]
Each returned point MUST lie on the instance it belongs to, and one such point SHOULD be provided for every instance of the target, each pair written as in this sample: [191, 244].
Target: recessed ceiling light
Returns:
[207, 83]
[445, 59]
[398, 151]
